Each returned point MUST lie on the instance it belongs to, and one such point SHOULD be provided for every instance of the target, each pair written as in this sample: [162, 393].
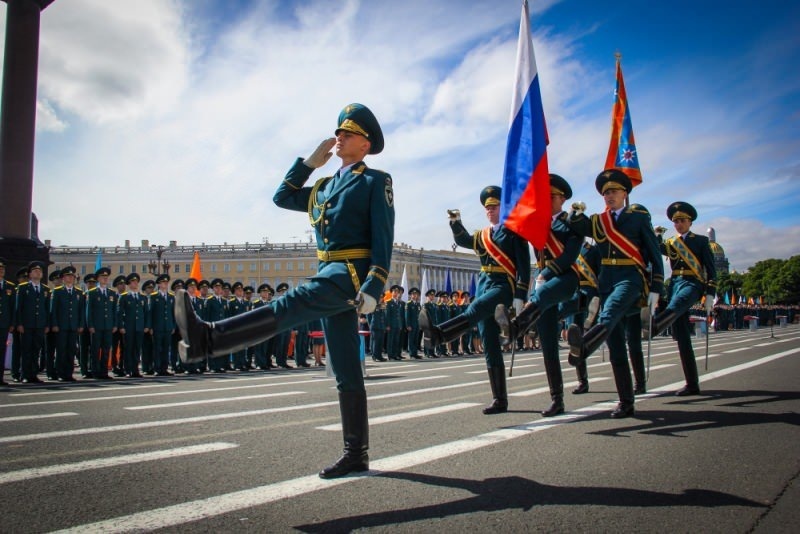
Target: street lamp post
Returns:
[156, 266]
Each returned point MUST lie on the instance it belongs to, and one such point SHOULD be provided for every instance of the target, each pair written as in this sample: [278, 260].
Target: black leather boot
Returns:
[622, 378]
[692, 386]
[661, 322]
[497, 380]
[556, 382]
[435, 335]
[355, 431]
[512, 329]
[582, 345]
[201, 339]
[583, 379]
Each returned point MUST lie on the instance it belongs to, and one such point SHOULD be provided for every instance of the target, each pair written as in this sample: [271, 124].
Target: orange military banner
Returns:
[196, 272]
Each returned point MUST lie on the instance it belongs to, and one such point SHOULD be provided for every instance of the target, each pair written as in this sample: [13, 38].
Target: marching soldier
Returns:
[85, 337]
[101, 316]
[394, 324]
[353, 215]
[7, 297]
[413, 307]
[627, 246]
[48, 361]
[67, 321]
[556, 283]
[505, 276]
[162, 321]
[133, 323]
[117, 338]
[693, 275]
[31, 318]
[148, 366]
[217, 310]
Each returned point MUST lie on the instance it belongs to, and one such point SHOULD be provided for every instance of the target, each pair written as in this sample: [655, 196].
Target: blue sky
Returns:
[168, 120]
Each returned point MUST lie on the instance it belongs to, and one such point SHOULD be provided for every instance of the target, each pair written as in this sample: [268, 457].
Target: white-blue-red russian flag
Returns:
[525, 204]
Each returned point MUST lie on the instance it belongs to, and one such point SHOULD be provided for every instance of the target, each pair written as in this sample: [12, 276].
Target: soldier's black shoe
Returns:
[556, 407]
[435, 335]
[687, 390]
[622, 411]
[581, 388]
[355, 431]
[640, 389]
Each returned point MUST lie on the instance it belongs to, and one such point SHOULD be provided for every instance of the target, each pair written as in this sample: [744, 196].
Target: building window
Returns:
[266, 266]
[226, 268]
[121, 269]
[177, 268]
[289, 266]
[83, 269]
[213, 267]
[239, 267]
[253, 267]
[277, 266]
[187, 268]
[300, 266]
[133, 268]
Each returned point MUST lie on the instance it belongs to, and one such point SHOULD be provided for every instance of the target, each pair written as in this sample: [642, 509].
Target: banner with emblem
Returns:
[622, 153]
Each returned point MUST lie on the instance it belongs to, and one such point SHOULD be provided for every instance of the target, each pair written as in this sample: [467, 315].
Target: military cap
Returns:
[103, 271]
[430, 293]
[55, 275]
[490, 196]
[413, 290]
[23, 272]
[559, 186]
[119, 280]
[357, 118]
[91, 277]
[3, 262]
[191, 282]
[203, 283]
[148, 284]
[175, 283]
[264, 287]
[237, 285]
[465, 294]
[612, 179]
[36, 264]
[283, 286]
[217, 282]
[681, 210]
[441, 294]
[69, 269]
[270, 289]
[454, 294]
[226, 285]
[248, 289]
[395, 286]
[162, 278]
[131, 277]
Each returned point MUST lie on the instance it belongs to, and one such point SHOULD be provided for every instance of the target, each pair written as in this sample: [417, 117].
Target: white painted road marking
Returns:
[408, 415]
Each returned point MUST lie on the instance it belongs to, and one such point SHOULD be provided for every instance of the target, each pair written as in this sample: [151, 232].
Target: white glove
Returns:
[709, 304]
[652, 302]
[322, 154]
[454, 215]
[366, 303]
[518, 305]
[578, 208]
[538, 283]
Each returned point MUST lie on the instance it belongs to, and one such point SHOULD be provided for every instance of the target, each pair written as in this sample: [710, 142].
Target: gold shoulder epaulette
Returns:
[93, 289]
[59, 287]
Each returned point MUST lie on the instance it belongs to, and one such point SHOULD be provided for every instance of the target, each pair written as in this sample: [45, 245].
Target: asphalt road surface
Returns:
[240, 452]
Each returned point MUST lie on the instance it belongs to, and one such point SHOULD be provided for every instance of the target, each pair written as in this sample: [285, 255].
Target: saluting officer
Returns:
[7, 295]
[31, 318]
[505, 277]
[556, 283]
[133, 322]
[627, 247]
[162, 321]
[101, 317]
[67, 321]
[353, 215]
[693, 275]
[413, 307]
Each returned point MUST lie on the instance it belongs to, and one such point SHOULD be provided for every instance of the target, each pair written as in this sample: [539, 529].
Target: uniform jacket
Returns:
[8, 292]
[700, 247]
[32, 308]
[394, 314]
[354, 211]
[377, 320]
[101, 311]
[412, 314]
[556, 266]
[67, 309]
[133, 313]
[162, 318]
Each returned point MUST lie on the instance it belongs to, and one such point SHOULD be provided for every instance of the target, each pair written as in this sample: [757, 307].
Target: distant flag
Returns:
[404, 285]
[196, 272]
[423, 287]
[472, 286]
[525, 204]
[622, 152]
[448, 285]
[727, 298]
[98, 262]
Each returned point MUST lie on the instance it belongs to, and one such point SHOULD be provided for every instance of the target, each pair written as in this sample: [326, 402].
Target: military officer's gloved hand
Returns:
[577, 209]
[366, 303]
[518, 305]
[709, 304]
[652, 301]
[454, 215]
[321, 155]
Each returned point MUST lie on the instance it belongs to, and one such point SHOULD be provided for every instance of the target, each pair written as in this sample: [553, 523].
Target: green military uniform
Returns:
[413, 307]
[31, 318]
[394, 322]
[377, 332]
[148, 367]
[85, 337]
[263, 350]
[117, 339]
[216, 310]
[101, 316]
[48, 362]
[7, 295]
[162, 321]
[67, 319]
[430, 309]
[238, 306]
[133, 318]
